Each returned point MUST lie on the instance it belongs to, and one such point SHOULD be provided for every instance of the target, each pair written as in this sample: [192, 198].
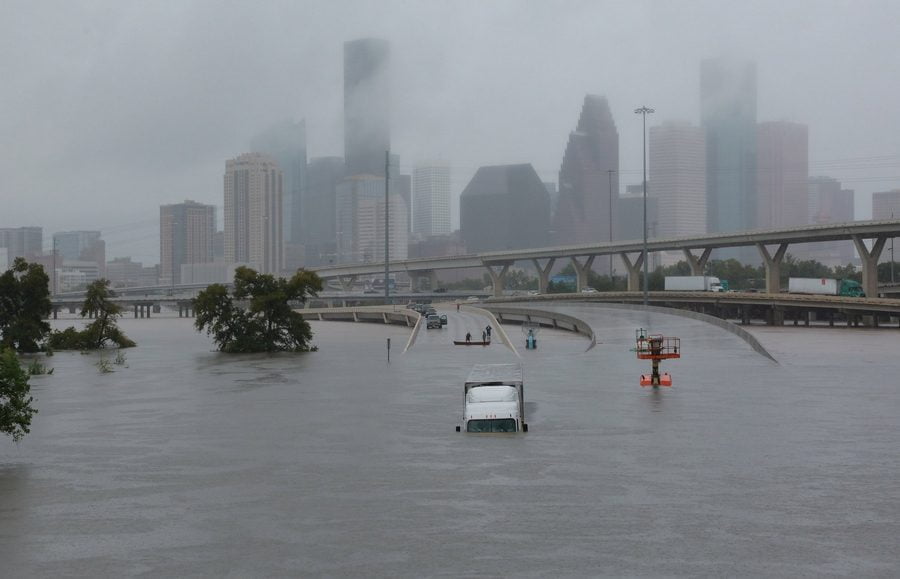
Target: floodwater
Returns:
[185, 462]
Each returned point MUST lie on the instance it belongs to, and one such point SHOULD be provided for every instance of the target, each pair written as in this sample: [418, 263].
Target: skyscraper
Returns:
[360, 221]
[431, 195]
[586, 199]
[186, 237]
[504, 207]
[728, 114]
[286, 143]
[886, 205]
[677, 160]
[21, 242]
[366, 106]
[253, 201]
[828, 203]
[323, 176]
[782, 163]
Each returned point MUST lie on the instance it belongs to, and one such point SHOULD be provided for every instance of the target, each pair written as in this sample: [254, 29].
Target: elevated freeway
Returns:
[869, 238]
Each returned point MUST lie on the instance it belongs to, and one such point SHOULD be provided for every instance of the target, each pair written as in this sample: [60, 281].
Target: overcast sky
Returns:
[110, 108]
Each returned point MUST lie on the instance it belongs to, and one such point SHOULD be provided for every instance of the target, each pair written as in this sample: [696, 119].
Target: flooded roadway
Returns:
[189, 463]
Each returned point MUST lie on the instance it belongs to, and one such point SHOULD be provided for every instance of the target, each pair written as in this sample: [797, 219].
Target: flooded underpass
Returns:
[188, 462]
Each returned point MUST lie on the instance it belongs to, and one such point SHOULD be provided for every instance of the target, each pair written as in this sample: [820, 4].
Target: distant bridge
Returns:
[696, 251]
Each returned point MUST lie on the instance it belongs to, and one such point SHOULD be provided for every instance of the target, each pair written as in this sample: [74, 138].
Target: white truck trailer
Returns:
[494, 399]
[824, 286]
[693, 283]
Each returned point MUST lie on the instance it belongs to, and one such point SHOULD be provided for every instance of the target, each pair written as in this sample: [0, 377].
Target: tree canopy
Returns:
[15, 399]
[258, 316]
[24, 304]
[97, 304]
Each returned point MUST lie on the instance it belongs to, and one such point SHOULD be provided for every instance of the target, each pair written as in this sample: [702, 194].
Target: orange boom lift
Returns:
[655, 347]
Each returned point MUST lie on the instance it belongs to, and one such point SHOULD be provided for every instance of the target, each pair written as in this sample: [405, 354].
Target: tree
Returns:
[15, 399]
[24, 304]
[98, 305]
[265, 321]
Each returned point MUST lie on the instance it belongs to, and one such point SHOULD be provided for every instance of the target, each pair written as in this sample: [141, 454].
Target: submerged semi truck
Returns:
[695, 283]
[824, 286]
[494, 399]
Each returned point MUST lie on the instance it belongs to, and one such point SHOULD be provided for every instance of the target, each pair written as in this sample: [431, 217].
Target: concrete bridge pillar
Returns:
[869, 263]
[634, 271]
[543, 273]
[581, 271]
[773, 266]
[498, 278]
[135, 311]
[429, 275]
[698, 264]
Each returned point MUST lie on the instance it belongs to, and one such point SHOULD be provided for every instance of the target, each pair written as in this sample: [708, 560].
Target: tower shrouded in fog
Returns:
[728, 114]
[586, 199]
[367, 133]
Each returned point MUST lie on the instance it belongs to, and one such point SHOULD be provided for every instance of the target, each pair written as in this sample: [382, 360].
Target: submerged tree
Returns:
[24, 305]
[97, 304]
[15, 399]
[264, 321]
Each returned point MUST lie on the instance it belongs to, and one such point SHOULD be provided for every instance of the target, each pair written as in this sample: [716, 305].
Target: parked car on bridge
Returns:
[433, 321]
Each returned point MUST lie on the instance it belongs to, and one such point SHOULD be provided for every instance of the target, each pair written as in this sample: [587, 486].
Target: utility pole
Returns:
[611, 279]
[387, 212]
[892, 254]
[644, 111]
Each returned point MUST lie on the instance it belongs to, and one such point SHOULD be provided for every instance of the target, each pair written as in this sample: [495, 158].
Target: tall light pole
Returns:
[892, 254]
[643, 111]
[611, 280]
[387, 212]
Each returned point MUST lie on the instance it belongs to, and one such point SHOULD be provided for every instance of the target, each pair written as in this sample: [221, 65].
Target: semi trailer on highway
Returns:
[494, 399]
[824, 286]
[695, 283]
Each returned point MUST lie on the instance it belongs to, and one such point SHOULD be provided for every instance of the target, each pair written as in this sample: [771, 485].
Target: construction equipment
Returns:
[656, 347]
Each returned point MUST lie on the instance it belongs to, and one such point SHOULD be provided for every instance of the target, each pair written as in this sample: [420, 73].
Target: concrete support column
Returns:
[698, 264]
[634, 271]
[773, 266]
[581, 271]
[869, 263]
[498, 278]
[431, 275]
[543, 273]
[135, 311]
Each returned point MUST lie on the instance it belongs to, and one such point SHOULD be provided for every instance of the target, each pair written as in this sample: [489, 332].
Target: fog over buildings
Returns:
[114, 109]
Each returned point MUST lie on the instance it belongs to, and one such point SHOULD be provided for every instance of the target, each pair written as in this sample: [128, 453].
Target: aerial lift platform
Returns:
[656, 347]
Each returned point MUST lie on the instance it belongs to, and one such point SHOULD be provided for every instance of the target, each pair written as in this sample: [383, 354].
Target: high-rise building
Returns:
[366, 106]
[782, 173]
[677, 159]
[80, 246]
[431, 195]
[122, 272]
[504, 207]
[253, 201]
[186, 237]
[26, 242]
[728, 114]
[587, 190]
[360, 219]
[828, 203]
[886, 205]
[286, 143]
[322, 178]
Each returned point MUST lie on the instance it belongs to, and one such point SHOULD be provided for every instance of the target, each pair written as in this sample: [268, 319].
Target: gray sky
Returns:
[110, 108]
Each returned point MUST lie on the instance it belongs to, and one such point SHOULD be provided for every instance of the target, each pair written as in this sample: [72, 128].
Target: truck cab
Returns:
[494, 399]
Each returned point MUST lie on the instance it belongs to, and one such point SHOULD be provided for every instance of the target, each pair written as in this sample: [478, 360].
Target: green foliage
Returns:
[120, 358]
[24, 304]
[36, 368]
[15, 399]
[265, 321]
[97, 304]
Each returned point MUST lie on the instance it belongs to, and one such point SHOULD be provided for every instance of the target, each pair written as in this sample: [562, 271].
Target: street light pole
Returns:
[387, 212]
[611, 279]
[643, 111]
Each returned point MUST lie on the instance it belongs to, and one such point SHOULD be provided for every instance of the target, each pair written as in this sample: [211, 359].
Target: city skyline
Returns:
[453, 93]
